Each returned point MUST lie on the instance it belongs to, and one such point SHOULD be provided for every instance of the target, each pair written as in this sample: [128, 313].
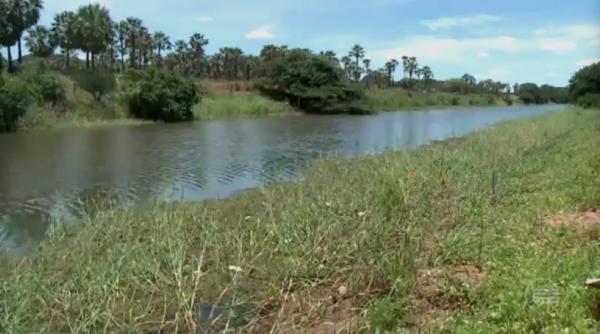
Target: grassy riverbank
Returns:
[225, 105]
[399, 99]
[377, 242]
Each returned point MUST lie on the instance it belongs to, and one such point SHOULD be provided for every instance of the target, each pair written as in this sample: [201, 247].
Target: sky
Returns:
[541, 41]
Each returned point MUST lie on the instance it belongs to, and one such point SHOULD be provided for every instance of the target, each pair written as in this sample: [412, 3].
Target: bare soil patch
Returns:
[444, 289]
[586, 223]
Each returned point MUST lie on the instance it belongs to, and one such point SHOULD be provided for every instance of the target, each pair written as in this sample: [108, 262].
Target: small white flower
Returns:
[235, 269]
[362, 214]
[328, 204]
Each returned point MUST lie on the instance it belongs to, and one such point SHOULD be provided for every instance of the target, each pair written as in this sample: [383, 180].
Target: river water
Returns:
[52, 177]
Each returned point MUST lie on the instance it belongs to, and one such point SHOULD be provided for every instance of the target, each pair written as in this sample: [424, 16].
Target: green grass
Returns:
[400, 99]
[367, 224]
[79, 110]
[225, 105]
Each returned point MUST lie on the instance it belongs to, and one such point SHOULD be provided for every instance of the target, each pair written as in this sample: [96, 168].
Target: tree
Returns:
[181, 50]
[469, 81]
[122, 31]
[94, 29]
[346, 61]
[585, 85]
[367, 64]
[197, 44]
[412, 66]
[22, 15]
[8, 31]
[357, 52]
[63, 29]
[161, 43]
[390, 67]
[427, 75]
[40, 42]
[134, 29]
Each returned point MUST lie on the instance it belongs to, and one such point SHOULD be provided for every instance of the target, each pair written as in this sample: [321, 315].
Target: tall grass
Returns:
[399, 99]
[367, 225]
[230, 105]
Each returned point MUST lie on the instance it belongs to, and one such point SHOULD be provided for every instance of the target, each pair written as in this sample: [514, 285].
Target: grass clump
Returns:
[346, 246]
[234, 105]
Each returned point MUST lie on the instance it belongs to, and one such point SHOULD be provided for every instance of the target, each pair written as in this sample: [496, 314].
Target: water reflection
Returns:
[51, 177]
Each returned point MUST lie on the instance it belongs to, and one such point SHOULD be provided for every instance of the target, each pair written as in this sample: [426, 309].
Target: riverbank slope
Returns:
[452, 236]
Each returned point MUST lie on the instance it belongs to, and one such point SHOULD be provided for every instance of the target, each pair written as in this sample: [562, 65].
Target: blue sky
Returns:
[541, 41]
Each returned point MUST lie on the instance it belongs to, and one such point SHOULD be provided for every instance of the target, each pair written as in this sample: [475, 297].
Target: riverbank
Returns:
[397, 99]
[453, 236]
[220, 100]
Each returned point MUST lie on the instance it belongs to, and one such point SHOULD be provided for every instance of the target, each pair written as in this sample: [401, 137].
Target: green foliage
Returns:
[162, 96]
[589, 100]
[16, 96]
[585, 81]
[97, 83]
[310, 82]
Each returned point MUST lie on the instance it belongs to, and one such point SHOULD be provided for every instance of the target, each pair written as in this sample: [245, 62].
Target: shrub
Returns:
[162, 96]
[455, 101]
[96, 83]
[16, 95]
[589, 100]
[50, 89]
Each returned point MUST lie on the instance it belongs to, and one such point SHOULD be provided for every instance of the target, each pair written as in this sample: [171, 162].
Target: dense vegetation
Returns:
[585, 86]
[314, 82]
[298, 256]
[162, 96]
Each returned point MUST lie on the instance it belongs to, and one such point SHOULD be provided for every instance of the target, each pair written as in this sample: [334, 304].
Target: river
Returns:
[55, 176]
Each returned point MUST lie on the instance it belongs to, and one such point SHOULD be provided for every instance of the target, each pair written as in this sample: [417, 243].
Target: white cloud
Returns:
[556, 45]
[264, 32]
[585, 31]
[494, 74]
[595, 42]
[431, 48]
[587, 62]
[206, 19]
[456, 21]
[483, 54]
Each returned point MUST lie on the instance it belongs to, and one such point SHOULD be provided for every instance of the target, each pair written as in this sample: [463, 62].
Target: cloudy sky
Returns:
[541, 41]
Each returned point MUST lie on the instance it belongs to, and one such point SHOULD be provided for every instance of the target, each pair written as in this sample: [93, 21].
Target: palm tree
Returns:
[391, 66]
[412, 66]
[427, 75]
[94, 30]
[63, 29]
[469, 81]
[367, 63]
[8, 31]
[197, 44]
[22, 15]
[357, 52]
[346, 61]
[133, 32]
[122, 30]
[181, 50]
[40, 42]
[161, 42]
[405, 66]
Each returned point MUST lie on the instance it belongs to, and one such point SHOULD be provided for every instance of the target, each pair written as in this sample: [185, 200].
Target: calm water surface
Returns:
[49, 177]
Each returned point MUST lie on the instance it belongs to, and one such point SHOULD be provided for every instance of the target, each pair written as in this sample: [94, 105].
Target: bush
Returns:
[589, 100]
[455, 101]
[162, 96]
[16, 96]
[96, 83]
[50, 89]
